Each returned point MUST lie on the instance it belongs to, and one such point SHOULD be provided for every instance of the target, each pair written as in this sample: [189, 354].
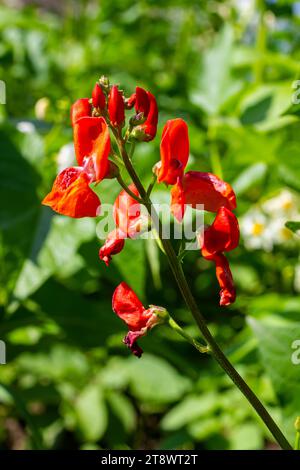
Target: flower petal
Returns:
[174, 151]
[127, 212]
[129, 308]
[112, 246]
[197, 188]
[225, 279]
[91, 139]
[116, 107]
[222, 235]
[81, 108]
[71, 195]
[145, 102]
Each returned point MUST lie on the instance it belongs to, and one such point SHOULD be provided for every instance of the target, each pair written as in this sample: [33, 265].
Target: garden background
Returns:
[229, 69]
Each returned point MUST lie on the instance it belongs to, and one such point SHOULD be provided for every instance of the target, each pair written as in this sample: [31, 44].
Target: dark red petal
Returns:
[71, 195]
[81, 108]
[131, 342]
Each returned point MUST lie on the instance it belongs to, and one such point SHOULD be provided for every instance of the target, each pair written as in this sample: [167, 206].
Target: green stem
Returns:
[200, 347]
[191, 304]
[151, 185]
[125, 187]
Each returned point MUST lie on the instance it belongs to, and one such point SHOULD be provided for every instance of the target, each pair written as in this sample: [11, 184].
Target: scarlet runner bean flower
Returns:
[145, 103]
[81, 108]
[222, 235]
[196, 188]
[71, 194]
[129, 222]
[174, 152]
[139, 320]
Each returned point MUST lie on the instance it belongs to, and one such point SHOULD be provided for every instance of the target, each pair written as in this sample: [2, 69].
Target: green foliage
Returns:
[69, 382]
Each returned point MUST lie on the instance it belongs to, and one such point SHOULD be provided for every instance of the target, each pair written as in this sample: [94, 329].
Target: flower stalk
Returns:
[212, 345]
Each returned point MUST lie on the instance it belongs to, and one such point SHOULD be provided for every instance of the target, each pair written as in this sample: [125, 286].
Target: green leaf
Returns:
[279, 346]
[91, 413]
[54, 250]
[251, 176]
[123, 409]
[19, 211]
[152, 379]
[246, 436]
[216, 85]
[189, 410]
[293, 226]
[131, 264]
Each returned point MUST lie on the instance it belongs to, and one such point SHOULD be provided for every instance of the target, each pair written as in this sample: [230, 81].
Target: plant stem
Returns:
[191, 304]
[125, 187]
[200, 347]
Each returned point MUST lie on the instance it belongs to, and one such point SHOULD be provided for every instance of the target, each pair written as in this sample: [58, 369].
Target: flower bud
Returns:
[139, 118]
[104, 82]
[116, 107]
[297, 424]
[98, 97]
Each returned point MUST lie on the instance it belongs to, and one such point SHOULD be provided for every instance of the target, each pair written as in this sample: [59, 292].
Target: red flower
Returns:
[224, 276]
[129, 222]
[222, 235]
[196, 188]
[98, 97]
[145, 103]
[174, 151]
[113, 245]
[127, 213]
[81, 108]
[92, 141]
[71, 194]
[139, 320]
[116, 107]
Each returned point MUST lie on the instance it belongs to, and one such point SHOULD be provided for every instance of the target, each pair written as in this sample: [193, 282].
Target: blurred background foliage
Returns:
[230, 69]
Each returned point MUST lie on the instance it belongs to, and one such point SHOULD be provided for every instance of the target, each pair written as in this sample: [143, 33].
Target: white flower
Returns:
[279, 232]
[255, 231]
[66, 157]
[26, 127]
[285, 205]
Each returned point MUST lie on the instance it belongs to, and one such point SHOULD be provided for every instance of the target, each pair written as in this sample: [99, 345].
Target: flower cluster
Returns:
[95, 120]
